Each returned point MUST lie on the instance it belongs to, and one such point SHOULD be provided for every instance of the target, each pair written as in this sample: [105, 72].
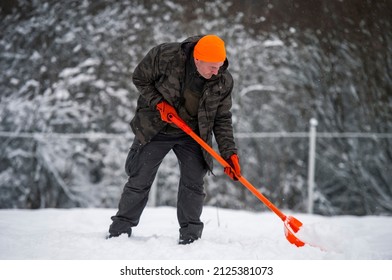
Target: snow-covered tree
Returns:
[66, 67]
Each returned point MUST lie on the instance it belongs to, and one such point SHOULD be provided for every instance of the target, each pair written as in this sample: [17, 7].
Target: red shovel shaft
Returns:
[182, 125]
[291, 224]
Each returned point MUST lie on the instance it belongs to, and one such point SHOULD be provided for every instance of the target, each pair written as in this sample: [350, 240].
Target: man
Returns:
[189, 80]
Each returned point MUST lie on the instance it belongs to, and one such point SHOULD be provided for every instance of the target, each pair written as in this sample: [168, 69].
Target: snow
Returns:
[71, 244]
[273, 43]
[69, 234]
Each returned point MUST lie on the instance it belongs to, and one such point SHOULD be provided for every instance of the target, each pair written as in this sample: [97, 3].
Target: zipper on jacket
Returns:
[203, 101]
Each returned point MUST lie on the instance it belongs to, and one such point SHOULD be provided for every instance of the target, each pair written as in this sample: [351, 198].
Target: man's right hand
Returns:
[165, 109]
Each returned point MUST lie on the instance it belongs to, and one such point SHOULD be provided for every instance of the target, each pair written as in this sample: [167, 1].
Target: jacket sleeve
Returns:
[145, 76]
[223, 126]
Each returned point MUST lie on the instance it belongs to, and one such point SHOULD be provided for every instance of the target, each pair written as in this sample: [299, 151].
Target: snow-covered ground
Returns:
[233, 242]
[229, 234]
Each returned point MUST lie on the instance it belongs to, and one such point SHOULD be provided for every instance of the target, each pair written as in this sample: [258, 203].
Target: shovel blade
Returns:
[291, 226]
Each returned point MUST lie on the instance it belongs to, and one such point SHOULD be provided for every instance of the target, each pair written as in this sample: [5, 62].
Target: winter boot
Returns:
[117, 228]
[118, 233]
[190, 234]
[184, 240]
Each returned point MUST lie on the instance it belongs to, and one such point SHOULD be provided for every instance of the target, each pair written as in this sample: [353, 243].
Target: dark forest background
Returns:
[66, 67]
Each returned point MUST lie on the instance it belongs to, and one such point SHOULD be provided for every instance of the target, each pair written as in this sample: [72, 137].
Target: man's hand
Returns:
[235, 166]
[165, 109]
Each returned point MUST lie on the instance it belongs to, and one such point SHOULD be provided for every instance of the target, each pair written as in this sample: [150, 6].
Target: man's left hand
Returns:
[234, 166]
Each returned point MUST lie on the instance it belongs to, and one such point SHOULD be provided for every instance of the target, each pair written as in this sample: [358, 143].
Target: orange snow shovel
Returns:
[291, 224]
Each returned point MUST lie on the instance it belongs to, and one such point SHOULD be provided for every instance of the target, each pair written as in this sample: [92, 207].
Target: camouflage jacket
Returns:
[160, 76]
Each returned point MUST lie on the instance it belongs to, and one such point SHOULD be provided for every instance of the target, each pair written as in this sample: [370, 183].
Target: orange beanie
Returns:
[210, 48]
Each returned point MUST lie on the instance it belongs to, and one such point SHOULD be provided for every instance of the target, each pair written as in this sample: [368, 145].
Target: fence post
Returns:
[311, 163]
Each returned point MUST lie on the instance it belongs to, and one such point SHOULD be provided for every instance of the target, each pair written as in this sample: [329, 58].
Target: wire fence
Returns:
[56, 135]
[240, 135]
[311, 134]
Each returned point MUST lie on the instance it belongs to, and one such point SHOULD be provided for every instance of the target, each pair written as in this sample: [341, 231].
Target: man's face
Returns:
[207, 69]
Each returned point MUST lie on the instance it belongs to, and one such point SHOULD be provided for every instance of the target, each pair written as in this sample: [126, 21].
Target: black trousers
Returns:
[142, 165]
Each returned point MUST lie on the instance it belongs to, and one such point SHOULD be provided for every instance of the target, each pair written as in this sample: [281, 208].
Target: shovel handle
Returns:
[184, 127]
